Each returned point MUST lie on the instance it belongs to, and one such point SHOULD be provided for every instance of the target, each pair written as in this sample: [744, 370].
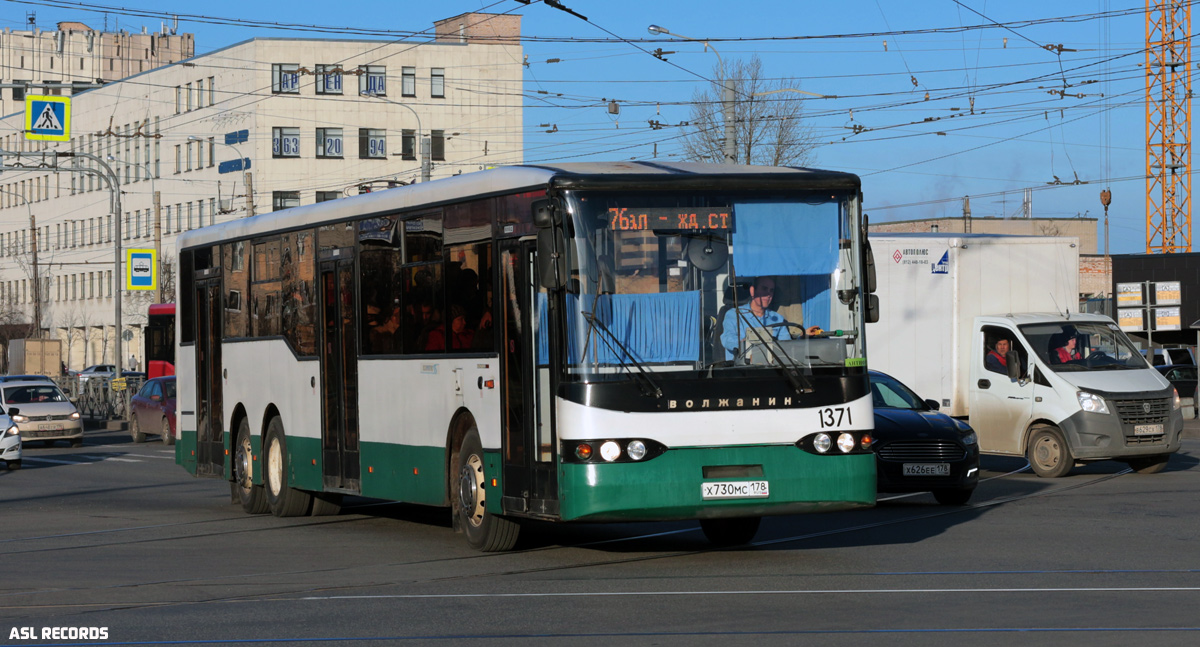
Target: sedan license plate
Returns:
[734, 490]
[52, 427]
[927, 469]
[1147, 430]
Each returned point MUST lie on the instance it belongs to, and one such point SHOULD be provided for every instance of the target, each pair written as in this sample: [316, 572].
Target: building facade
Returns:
[305, 120]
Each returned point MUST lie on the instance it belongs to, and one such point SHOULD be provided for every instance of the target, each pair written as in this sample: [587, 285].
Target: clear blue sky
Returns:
[1019, 136]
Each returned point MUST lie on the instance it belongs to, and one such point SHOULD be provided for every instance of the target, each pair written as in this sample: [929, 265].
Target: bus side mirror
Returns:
[551, 259]
[545, 213]
[872, 308]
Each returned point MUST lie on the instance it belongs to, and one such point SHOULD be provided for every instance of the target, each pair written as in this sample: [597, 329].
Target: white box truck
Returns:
[984, 325]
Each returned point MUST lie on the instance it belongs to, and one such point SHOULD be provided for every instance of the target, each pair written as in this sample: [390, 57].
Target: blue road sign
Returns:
[237, 137]
[233, 166]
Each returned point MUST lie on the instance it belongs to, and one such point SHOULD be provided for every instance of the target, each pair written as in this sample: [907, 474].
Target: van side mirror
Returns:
[869, 269]
[1014, 365]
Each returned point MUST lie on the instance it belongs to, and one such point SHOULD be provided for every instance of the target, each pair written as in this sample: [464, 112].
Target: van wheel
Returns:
[168, 438]
[1048, 453]
[284, 500]
[485, 531]
[1149, 464]
[251, 496]
[135, 431]
[730, 532]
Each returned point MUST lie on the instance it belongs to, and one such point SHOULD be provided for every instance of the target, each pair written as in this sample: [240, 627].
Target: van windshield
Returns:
[1082, 346]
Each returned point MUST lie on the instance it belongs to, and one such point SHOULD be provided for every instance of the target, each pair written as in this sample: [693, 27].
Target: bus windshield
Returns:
[1082, 346]
[676, 283]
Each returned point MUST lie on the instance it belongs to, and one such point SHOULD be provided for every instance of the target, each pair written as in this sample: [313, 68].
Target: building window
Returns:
[372, 143]
[285, 142]
[212, 151]
[329, 142]
[285, 78]
[284, 199]
[200, 214]
[329, 79]
[211, 92]
[178, 98]
[189, 156]
[189, 97]
[326, 196]
[408, 81]
[437, 145]
[408, 144]
[178, 158]
[372, 79]
[437, 82]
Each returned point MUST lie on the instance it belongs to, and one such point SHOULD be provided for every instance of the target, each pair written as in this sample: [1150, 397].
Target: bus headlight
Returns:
[636, 450]
[822, 442]
[845, 443]
[610, 451]
[1091, 402]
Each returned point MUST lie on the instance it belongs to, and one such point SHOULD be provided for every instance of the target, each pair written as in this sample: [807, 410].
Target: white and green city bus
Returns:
[538, 342]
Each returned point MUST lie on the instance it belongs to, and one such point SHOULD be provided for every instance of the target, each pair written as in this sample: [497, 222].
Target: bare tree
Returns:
[768, 130]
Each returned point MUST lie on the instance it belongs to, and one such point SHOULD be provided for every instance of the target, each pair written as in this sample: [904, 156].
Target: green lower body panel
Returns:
[669, 486]
[185, 450]
[404, 473]
[304, 463]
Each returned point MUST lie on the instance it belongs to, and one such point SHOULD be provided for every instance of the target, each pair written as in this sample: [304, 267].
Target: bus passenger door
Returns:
[210, 445]
[529, 444]
[339, 374]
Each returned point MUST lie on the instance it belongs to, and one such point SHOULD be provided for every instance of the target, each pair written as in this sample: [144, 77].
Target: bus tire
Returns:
[284, 500]
[252, 497]
[168, 438]
[135, 431]
[1149, 464]
[730, 532]
[328, 504]
[485, 531]
[1048, 453]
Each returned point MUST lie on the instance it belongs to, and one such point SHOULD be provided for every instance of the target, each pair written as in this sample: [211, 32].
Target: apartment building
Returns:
[258, 126]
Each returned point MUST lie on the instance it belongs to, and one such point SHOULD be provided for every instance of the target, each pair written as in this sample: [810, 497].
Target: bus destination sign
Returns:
[671, 219]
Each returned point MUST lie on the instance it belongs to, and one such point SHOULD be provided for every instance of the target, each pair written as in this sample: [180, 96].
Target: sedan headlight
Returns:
[19, 419]
[1091, 402]
[970, 439]
[74, 415]
[12, 431]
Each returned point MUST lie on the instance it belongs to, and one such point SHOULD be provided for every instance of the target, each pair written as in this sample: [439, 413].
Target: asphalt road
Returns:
[114, 535]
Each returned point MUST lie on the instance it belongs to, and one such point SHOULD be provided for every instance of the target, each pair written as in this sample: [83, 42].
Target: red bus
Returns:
[160, 340]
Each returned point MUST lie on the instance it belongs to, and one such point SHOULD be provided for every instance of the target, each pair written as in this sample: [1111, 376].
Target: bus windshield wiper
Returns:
[647, 383]
[792, 371]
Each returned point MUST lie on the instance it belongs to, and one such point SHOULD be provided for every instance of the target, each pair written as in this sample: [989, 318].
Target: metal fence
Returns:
[95, 397]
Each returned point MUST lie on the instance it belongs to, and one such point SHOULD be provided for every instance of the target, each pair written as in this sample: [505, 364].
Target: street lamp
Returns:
[727, 101]
[424, 141]
[241, 161]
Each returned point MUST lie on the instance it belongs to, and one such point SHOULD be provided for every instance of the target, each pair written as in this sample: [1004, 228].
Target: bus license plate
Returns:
[927, 469]
[53, 427]
[734, 490]
[1147, 430]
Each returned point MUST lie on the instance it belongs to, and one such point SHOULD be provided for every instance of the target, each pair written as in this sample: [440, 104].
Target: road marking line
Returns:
[28, 459]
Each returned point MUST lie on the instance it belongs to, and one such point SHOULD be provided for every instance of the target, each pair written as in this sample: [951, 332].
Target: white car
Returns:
[99, 370]
[42, 412]
[10, 443]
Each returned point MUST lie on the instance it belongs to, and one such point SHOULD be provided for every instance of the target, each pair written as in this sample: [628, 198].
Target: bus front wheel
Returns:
[285, 501]
[730, 532]
[485, 531]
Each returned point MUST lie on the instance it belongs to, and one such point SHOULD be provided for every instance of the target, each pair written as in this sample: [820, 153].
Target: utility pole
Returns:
[158, 241]
[37, 285]
[249, 193]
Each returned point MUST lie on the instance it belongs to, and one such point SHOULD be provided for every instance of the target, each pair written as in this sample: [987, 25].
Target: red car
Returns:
[153, 410]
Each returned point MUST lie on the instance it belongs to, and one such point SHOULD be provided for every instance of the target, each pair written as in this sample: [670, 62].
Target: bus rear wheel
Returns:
[284, 500]
[730, 532]
[251, 496]
[485, 531]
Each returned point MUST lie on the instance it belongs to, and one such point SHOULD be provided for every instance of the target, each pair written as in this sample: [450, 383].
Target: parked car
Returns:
[154, 410]
[25, 378]
[43, 412]
[10, 443]
[1169, 357]
[1183, 378]
[97, 370]
[919, 449]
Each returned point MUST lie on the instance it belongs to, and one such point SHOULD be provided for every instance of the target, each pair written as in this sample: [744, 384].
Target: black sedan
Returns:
[919, 449]
[1183, 378]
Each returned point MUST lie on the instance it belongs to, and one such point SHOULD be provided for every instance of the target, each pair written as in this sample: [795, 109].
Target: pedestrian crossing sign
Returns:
[48, 118]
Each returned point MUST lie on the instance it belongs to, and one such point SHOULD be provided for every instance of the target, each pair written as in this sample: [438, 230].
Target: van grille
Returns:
[921, 450]
[1143, 412]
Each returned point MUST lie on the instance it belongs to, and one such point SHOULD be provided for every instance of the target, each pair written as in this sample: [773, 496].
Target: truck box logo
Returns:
[943, 266]
[897, 256]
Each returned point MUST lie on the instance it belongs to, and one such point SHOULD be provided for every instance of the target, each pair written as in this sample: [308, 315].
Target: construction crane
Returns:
[1168, 126]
